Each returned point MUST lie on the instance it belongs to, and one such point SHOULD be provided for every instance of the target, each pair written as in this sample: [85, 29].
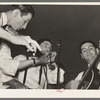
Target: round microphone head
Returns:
[59, 43]
[52, 67]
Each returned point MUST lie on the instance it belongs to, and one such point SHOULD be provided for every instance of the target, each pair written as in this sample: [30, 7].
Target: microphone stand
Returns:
[58, 70]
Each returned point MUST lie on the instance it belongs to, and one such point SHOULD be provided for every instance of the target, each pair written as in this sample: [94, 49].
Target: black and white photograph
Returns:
[49, 46]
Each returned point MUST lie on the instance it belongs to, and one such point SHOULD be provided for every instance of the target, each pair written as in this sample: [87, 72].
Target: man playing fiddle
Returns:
[17, 18]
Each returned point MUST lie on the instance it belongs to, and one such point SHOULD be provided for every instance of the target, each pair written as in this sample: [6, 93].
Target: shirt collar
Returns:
[4, 19]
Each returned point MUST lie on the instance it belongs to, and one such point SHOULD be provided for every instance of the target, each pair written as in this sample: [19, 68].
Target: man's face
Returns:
[20, 22]
[89, 52]
[46, 47]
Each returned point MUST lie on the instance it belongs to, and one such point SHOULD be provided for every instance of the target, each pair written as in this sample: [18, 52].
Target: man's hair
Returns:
[25, 9]
[94, 44]
[42, 40]
[38, 53]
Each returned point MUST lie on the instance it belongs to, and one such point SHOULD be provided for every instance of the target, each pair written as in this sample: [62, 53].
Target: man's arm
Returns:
[10, 66]
[19, 40]
[32, 61]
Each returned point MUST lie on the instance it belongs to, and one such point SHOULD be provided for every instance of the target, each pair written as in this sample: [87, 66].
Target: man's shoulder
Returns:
[81, 73]
[79, 76]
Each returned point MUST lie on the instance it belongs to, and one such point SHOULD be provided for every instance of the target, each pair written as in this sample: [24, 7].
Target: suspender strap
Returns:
[40, 75]
[25, 75]
[45, 72]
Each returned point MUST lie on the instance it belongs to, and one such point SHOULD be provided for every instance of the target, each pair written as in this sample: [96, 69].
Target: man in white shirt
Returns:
[38, 77]
[89, 52]
[16, 19]
[9, 66]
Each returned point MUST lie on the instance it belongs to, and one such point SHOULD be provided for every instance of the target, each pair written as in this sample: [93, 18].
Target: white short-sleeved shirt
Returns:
[32, 78]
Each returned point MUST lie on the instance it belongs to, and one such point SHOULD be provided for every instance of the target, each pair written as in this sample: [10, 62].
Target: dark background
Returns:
[70, 23]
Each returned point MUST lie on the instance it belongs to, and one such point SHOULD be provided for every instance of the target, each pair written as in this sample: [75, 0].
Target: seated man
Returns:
[89, 52]
[39, 76]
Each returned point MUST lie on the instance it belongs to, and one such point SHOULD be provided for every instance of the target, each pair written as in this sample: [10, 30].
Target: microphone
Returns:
[59, 43]
[52, 67]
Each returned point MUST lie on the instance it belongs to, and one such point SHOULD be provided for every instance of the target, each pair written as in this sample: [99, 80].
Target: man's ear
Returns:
[97, 50]
[82, 56]
[16, 12]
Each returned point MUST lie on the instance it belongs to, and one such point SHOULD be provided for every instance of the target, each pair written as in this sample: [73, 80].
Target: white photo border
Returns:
[15, 93]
